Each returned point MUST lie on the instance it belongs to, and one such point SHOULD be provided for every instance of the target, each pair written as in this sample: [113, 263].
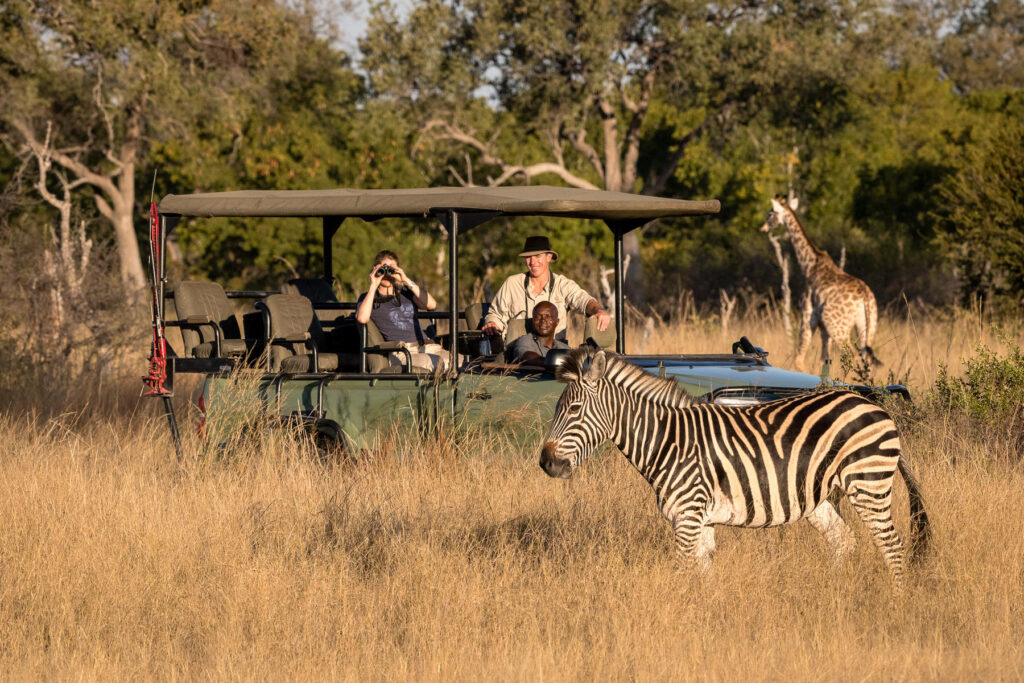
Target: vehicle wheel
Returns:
[329, 440]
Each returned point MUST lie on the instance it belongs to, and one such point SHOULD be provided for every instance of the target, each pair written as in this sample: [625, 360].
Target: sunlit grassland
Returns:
[456, 557]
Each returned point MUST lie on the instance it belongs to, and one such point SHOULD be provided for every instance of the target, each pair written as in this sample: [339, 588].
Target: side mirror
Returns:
[554, 358]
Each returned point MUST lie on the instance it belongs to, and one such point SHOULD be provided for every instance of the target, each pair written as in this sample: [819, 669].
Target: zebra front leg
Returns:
[695, 541]
[875, 510]
[837, 533]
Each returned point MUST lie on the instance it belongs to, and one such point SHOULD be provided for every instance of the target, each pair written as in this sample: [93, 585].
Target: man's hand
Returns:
[603, 319]
[490, 329]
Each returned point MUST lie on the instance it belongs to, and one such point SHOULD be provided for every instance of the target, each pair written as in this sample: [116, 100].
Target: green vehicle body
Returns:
[355, 411]
[354, 408]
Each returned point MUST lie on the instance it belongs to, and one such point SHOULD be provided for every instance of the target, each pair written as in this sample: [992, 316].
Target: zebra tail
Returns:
[920, 528]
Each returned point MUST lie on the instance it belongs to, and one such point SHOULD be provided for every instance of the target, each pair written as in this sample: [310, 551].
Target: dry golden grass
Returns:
[460, 559]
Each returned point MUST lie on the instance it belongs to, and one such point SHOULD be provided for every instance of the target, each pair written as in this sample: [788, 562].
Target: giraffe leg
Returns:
[826, 340]
[692, 549]
[806, 330]
[839, 536]
[875, 510]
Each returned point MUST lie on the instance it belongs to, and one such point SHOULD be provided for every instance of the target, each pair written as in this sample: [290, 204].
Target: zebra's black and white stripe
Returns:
[750, 466]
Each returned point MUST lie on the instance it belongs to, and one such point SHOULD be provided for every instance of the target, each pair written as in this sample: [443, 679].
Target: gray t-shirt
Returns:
[531, 342]
[396, 317]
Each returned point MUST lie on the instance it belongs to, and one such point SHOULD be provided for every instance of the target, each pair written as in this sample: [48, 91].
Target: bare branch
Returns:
[76, 167]
[108, 124]
[487, 156]
[542, 168]
[578, 140]
[458, 178]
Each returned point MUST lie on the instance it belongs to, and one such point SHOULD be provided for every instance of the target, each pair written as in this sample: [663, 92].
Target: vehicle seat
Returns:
[471, 340]
[376, 362]
[604, 340]
[475, 314]
[516, 328]
[294, 335]
[203, 311]
[319, 291]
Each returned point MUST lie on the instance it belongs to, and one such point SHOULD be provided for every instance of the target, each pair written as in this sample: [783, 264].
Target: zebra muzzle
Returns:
[552, 464]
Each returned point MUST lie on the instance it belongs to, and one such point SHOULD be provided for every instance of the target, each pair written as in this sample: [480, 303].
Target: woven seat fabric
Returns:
[228, 347]
[206, 300]
[318, 291]
[303, 362]
[475, 314]
[292, 317]
[606, 339]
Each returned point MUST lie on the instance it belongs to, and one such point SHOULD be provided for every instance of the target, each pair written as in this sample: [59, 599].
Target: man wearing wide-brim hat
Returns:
[520, 293]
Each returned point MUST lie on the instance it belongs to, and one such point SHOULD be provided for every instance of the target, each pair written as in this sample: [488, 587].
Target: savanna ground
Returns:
[457, 558]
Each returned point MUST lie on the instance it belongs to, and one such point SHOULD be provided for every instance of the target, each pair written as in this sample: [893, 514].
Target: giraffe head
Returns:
[776, 216]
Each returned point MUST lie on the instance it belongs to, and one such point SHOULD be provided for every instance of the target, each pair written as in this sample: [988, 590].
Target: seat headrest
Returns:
[605, 340]
[317, 290]
[475, 314]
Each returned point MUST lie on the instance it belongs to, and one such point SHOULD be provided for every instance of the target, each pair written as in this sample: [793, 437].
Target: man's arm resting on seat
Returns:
[603, 318]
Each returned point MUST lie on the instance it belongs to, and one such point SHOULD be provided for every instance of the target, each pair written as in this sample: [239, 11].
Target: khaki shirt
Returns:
[515, 300]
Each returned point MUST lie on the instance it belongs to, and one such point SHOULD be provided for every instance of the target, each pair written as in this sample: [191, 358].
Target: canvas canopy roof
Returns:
[531, 200]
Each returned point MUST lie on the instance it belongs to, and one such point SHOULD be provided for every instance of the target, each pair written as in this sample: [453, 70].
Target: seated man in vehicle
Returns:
[532, 347]
[391, 303]
[519, 294]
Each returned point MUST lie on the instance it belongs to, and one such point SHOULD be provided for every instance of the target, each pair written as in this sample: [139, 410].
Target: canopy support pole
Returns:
[331, 225]
[453, 289]
[619, 229]
[620, 299]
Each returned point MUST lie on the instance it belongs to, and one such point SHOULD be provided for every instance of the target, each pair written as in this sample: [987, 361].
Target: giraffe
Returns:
[834, 302]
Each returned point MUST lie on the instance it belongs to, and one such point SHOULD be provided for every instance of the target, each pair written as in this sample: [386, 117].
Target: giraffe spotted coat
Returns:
[834, 303]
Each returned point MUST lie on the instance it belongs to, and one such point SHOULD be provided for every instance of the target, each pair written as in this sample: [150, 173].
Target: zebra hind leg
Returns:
[875, 510]
[837, 533]
[695, 541]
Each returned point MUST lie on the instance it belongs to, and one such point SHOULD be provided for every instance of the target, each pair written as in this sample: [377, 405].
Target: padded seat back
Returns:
[605, 340]
[194, 299]
[475, 314]
[317, 290]
[375, 362]
[291, 316]
[516, 328]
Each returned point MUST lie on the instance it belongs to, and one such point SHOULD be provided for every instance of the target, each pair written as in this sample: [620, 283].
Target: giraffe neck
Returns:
[807, 254]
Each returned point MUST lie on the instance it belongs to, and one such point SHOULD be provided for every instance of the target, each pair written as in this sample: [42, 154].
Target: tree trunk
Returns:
[133, 277]
[634, 276]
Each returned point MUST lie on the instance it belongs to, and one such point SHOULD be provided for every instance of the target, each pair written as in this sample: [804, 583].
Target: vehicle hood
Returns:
[698, 378]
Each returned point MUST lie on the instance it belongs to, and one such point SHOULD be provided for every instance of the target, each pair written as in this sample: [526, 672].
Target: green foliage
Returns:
[899, 130]
[991, 391]
[985, 213]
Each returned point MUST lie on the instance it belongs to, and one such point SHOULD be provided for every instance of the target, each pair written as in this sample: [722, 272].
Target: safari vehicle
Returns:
[314, 364]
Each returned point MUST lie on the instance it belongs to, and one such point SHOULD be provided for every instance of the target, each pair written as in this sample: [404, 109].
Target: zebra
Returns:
[751, 466]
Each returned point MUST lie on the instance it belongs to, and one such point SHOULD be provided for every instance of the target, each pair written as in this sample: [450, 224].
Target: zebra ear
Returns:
[597, 366]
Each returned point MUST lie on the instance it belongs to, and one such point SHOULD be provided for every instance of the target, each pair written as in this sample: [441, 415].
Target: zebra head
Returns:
[582, 420]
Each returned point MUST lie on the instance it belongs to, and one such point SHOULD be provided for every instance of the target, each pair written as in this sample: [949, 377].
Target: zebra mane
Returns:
[662, 390]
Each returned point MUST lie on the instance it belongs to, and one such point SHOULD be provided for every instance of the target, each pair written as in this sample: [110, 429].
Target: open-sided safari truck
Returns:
[314, 364]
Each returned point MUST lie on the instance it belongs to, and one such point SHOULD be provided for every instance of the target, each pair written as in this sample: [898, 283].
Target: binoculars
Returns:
[385, 269]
